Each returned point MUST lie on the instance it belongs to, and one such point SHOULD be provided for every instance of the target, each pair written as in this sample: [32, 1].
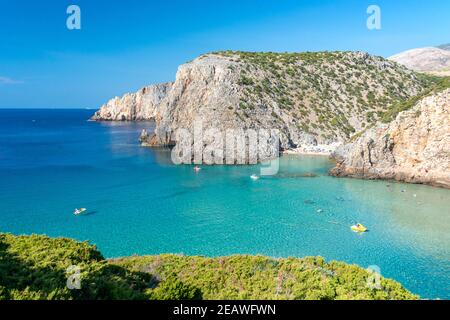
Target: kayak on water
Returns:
[79, 211]
[358, 228]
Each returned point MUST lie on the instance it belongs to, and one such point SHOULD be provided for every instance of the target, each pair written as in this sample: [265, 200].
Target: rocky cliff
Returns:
[142, 105]
[311, 98]
[415, 147]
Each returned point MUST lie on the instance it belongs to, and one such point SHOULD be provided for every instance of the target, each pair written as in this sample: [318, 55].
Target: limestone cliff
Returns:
[415, 147]
[142, 105]
[310, 97]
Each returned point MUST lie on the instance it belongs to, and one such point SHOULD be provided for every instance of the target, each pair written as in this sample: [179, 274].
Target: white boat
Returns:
[79, 211]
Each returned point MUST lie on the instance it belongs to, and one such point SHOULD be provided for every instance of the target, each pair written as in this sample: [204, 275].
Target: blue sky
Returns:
[124, 45]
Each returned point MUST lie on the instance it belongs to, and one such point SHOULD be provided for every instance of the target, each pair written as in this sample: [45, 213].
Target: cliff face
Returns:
[206, 89]
[415, 147]
[310, 98]
[142, 105]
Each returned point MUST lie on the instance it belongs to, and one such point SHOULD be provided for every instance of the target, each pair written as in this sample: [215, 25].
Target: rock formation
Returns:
[142, 105]
[415, 147]
[311, 98]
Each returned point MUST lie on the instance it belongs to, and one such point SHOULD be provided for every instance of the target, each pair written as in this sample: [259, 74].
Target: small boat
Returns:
[358, 228]
[254, 177]
[79, 211]
[197, 168]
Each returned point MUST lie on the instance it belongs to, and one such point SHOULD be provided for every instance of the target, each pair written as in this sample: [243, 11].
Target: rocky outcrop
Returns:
[142, 105]
[311, 98]
[430, 60]
[415, 147]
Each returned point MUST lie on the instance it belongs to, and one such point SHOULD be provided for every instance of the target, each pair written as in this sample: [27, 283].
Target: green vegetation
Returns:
[438, 84]
[329, 94]
[246, 81]
[257, 277]
[35, 267]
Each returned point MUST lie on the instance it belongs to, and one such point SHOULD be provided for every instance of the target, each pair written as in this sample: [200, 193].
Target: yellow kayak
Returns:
[358, 228]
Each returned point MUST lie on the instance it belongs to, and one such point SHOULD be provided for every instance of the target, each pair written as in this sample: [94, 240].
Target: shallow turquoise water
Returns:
[138, 202]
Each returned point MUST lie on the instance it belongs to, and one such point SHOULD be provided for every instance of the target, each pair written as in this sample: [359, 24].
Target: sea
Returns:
[139, 202]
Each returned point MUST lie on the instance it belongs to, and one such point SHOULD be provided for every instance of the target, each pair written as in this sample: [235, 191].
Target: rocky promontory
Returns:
[141, 105]
[415, 147]
[312, 98]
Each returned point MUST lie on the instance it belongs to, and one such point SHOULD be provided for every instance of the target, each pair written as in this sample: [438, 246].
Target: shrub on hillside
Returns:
[35, 267]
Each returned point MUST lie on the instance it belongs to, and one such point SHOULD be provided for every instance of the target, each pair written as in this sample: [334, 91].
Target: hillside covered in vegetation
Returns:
[311, 98]
[437, 85]
[329, 94]
[37, 267]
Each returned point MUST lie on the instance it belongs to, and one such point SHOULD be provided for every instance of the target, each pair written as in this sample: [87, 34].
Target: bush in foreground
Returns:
[36, 267]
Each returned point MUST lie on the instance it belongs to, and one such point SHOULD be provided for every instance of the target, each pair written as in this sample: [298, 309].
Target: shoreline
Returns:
[317, 150]
[340, 171]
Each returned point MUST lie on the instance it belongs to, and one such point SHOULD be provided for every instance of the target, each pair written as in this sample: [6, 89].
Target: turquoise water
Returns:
[52, 161]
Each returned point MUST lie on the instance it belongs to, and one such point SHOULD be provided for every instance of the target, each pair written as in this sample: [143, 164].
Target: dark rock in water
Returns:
[151, 140]
[297, 175]
[308, 175]
[144, 136]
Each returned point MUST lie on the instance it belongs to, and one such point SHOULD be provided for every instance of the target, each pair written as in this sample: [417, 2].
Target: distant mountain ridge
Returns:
[432, 60]
[445, 46]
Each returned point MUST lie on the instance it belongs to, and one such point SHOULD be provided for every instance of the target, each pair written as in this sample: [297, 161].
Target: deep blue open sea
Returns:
[52, 161]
